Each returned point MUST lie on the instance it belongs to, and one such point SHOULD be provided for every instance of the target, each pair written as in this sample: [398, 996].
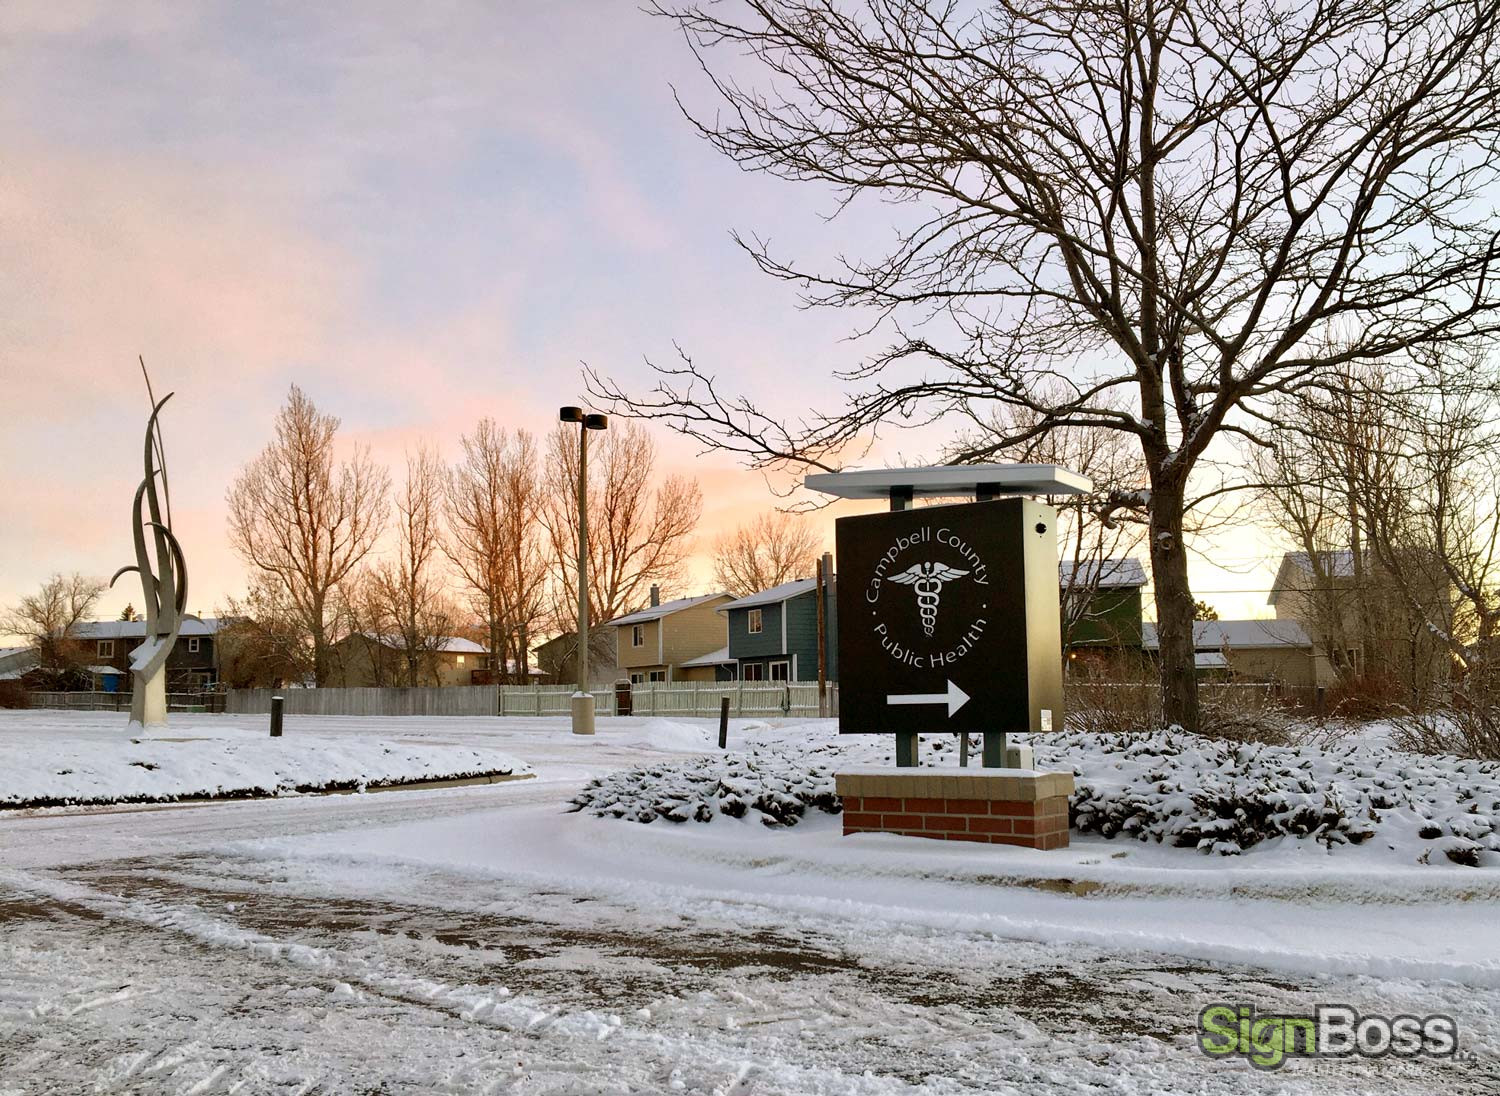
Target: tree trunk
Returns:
[320, 646]
[1174, 607]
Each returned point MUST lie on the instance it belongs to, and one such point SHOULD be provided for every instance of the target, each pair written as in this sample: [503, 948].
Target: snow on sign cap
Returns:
[944, 480]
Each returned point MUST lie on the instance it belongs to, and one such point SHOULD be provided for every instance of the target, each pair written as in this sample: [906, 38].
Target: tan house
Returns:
[1358, 621]
[654, 643]
[1272, 651]
[366, 660]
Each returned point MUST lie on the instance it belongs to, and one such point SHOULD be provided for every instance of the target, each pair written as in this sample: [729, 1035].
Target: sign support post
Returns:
[906, 741]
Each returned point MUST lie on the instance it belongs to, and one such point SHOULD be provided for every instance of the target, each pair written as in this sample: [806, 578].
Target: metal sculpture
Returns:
[164, 585]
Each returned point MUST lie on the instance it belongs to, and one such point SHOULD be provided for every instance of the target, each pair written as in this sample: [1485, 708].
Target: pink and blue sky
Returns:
[420, 213]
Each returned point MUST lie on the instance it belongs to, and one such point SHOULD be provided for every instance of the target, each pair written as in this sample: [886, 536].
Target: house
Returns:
[653, 644]
[15, 662]
[1359, 620]
[555, 659]
[1101, 604]
[192, 666]
[773, 634]
[716, 666]
[1273, 651]
[365, 659]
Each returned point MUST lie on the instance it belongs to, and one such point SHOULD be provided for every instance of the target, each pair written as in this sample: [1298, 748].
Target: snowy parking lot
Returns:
[489, 939]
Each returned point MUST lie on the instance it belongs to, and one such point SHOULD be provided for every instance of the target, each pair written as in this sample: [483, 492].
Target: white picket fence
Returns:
[764, 699]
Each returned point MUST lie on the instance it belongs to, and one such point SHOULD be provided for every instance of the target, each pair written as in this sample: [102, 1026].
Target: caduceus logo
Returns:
[928, 579]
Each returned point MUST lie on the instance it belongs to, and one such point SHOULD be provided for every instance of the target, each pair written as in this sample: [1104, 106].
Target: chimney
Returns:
[655, 595]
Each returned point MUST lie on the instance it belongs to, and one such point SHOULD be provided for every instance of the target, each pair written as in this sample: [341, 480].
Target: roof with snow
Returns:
[1122, 573]
[104, 671]
[1296, 570]
[666, 608]
[1213, 635]
[452, 645]
[136, 629]
[713, 658]
[773, 595]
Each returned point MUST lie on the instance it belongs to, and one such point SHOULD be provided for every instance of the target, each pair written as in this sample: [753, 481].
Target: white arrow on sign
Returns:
[955, 698]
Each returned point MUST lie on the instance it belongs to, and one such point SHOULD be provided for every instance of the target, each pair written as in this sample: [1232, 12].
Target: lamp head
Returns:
[570, 414]
[595, 422]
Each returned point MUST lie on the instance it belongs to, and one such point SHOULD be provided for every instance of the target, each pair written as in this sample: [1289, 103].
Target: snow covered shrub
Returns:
[1166, 787]
[762, 783]
[1226, 797]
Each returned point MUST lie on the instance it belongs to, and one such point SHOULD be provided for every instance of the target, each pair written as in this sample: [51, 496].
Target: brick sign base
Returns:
[994, 806]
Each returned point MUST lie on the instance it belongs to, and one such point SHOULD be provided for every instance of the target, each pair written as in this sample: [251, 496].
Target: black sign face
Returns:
[934, 633]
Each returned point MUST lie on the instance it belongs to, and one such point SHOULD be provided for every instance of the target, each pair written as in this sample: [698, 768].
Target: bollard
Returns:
[724, 723]
[276, 705]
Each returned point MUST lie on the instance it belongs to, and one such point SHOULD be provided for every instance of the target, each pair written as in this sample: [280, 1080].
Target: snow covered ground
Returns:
[56, 758]
[487, 940]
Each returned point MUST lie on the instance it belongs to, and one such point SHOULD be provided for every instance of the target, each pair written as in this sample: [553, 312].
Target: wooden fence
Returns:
[84, 701]
[394, 701]
[687, 700]
[700, 700]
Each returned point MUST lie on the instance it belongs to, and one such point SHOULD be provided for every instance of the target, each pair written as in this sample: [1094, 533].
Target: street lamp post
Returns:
[583, 699]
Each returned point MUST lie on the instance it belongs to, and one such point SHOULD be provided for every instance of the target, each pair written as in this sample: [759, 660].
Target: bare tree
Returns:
[1092, 530]
[298, 514]
[773, 548]
[409, 590]
[1391, 500]
[637, 535]
[497, 541]
[1174, 210]
[262, 641]
[49, 620]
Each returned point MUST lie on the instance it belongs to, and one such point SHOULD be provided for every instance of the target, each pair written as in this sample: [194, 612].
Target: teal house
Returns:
[773, 634]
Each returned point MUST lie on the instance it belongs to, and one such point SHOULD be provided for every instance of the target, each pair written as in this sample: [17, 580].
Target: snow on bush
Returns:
[1167, 787]
[777, 785]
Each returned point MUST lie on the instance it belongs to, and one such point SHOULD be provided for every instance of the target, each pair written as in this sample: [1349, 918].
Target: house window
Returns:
[755, 671]
[638, 635]
[781, 671]
[754, 622]
[637, 679]
[460, 660]
[106, 648]
[657, 675]
[193, 645]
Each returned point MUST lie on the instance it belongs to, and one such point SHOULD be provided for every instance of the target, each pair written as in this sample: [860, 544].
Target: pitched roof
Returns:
[1212, 635]
[666, 608]
[1123, 573]
[1336, 564]
[136, 629]
[713, 658]
[774, 594]
[452, 645]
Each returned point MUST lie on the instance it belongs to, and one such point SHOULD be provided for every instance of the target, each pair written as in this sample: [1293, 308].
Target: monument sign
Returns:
[948, 619]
